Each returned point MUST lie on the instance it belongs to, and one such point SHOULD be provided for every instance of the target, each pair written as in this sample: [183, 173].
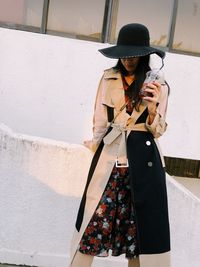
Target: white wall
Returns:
[41, 185]
[48, 85]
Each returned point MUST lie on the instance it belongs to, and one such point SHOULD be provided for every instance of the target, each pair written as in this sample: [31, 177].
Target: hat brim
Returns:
[125, 51]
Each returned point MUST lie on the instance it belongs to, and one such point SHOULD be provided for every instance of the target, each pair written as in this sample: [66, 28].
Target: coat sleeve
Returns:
[159, 125]
[100, 120]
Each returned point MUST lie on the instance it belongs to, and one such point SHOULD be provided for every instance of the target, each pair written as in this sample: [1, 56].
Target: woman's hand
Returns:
[153, 89]
[88, 144]
[91, 145]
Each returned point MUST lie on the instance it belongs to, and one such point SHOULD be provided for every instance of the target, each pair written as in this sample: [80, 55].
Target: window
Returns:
[173, 24]
[187, 34]
[156, 15]
[78, 18]
[21, 12]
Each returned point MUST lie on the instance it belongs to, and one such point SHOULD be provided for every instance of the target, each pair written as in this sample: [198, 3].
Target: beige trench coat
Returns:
[111, 93]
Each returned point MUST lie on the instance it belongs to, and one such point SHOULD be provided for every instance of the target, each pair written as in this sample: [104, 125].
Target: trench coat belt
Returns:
[123, 131]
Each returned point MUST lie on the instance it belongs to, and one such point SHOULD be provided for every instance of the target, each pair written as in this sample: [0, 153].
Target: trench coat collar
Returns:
[113, 95]
[112, 74]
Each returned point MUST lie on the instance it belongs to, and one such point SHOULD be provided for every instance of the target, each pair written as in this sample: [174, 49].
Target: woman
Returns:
[124, 205]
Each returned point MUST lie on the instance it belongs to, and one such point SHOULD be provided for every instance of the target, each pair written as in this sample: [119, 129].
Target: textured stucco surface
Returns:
[41, 184]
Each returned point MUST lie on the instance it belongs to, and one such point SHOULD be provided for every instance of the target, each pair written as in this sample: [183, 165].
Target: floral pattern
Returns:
[112, 226]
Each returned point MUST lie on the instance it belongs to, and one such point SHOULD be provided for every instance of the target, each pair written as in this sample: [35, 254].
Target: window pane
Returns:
[156, 15]
[187, 34]
[78, 18]
[23, 12]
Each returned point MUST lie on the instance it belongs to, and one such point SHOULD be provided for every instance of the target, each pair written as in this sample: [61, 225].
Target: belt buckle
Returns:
[121, 165]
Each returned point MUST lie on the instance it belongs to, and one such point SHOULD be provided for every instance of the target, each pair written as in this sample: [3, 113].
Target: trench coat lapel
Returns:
[114, 97]
[114, 92]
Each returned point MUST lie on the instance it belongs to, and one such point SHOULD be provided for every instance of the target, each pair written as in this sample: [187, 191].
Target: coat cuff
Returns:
[157, 127]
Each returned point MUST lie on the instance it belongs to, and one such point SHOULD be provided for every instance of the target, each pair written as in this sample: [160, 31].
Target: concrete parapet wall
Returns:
[184, 209]
[42, 181]
[41, 184]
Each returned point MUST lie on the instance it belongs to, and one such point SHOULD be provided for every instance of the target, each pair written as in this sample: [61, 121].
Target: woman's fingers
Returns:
[153, 90]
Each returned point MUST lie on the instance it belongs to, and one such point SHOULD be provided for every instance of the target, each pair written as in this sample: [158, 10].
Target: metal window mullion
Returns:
[107, 21]
[43, 27]
[172, 25]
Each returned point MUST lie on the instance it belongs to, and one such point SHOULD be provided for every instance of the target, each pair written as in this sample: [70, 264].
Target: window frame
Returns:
[108, 26]
[22, 27]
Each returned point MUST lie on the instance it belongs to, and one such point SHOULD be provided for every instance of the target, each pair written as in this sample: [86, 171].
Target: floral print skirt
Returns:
[112, 226]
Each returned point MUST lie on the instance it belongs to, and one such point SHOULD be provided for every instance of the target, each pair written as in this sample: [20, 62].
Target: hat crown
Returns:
[133, 34]
[133, 41]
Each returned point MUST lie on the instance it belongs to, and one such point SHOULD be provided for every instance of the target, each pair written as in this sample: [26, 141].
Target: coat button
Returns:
[148, 143]
[150, 164]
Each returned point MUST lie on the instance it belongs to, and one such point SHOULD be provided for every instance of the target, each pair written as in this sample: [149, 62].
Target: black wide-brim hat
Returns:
[133, 41]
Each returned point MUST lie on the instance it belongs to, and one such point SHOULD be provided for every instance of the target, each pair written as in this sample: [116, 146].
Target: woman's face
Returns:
[130, 64]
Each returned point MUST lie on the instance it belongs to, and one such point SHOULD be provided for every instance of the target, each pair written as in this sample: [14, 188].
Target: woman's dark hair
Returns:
[140, 74]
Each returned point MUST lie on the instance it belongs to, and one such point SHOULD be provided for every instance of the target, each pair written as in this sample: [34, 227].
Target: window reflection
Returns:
[78, 18]
[84, 19]
[187, 34]
[156, 15]
[23, 12]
